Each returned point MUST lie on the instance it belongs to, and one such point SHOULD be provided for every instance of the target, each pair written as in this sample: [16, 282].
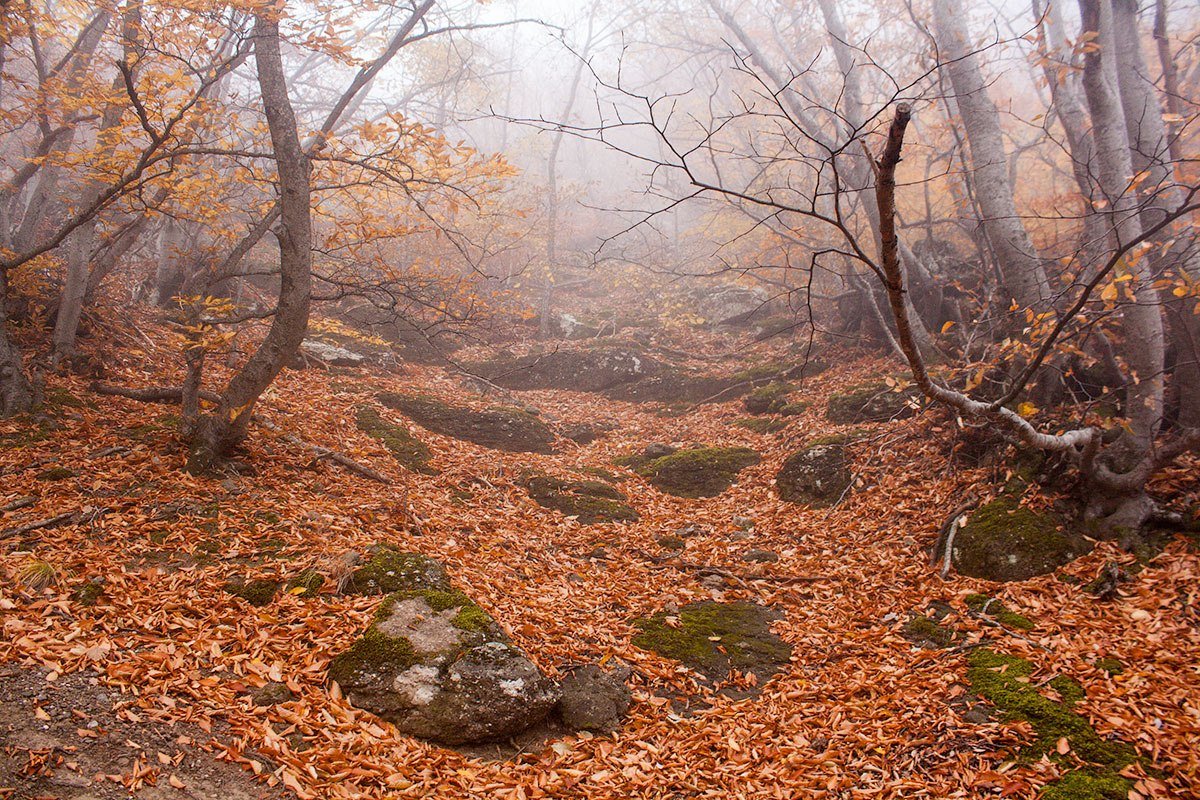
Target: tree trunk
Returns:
[16, 392]
[1021, 267]
[222, 429]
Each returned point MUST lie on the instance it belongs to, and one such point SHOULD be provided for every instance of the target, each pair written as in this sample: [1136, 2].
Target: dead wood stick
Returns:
[152, 394]
[49, 522]
[20, 502]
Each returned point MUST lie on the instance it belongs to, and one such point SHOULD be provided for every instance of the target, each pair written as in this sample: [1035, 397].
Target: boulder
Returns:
[391, 570]
[439, 667]
[713, 638]
[587, 501]
[730, 304]
[1005, 541]
[586, 432]
[774, 398]
[593, 699]
[588, 369]
[874, 403]
[331, 354]
[818, 475]
[671, 385]
[510, 429]
[698, 471]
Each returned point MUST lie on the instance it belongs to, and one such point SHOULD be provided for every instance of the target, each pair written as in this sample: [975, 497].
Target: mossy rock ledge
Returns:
[818, 475]
[439, 667]
[698, 471]
[1004, 541]
[713, 638]
[408, 450]
[392, 570]
[508, 429]
[589, 369]
[873, 403]
[587, 501]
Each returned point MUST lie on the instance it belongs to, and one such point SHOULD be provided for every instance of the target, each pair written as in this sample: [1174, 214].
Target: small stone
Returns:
[760, 556]
[976, 716]
[272, 694]
[658, 450]
[593, 699]
[743, 523]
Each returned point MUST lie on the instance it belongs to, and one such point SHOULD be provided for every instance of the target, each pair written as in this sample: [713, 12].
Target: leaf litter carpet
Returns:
[861, 713]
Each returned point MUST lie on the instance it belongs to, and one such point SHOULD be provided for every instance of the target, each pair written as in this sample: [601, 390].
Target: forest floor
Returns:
[149, 692]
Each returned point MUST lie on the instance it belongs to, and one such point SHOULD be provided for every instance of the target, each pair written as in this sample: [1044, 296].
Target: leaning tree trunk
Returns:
[218, 431]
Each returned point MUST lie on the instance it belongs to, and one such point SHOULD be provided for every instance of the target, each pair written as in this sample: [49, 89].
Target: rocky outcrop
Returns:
[818, 475]
[695, 471]
[509, 429]
[590, 369]
[587, 501]
[439, 667]
[873, 403]
[331, 354]
[1005, 541]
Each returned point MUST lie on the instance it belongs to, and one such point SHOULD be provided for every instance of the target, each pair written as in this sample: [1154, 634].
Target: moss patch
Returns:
[1112, 666]
[1004, 541]
[305, 583]
[56, 474]
[872, 403]
[390, 570]
[699, 471]
[713, 638]
[1003, 680]
[990, 606]
[588, 501]
[408, 450]
[373, 650]
[923, 631]
[257, 592]
[769, 399]
[508, 429]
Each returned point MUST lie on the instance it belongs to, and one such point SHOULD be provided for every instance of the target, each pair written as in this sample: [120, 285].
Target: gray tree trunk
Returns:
[217, 432]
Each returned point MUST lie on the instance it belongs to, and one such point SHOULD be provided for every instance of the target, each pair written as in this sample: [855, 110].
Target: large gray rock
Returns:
[438, 667]
[331, 354]
[730, 305]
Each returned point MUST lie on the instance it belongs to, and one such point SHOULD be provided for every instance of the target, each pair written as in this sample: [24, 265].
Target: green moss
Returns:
[983, 604]
[1088, 784]
[924, 631]
[1006, 541]
[1070, 690]
[305, 583]
[372, 650]
[37, 432]
[500, 428]
[714, 637]
[407, 449]
[89, 593]
[56, 474]
[1112, 666]
[699, 471]
[257, 592]
[769, 399]
[57, 396]
[602, 474]
[391, 570]
[762, 425]
[870, 403]
[794, 408]
[588, 501]
[470, 616]
[997, 677]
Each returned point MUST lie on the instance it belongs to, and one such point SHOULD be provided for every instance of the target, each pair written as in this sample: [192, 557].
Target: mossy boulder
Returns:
[698, 471]
[872, 403]
[1005, 541]
[818, 475]
[392, 570]
[679, 386]
[256, 592]
[1004, 680]
[769, 399]
[713, 638]
[508, 429]
[305, 583]
[590, 369]
[410, 451]
[439, 667]
[587, 501]
[925, 632]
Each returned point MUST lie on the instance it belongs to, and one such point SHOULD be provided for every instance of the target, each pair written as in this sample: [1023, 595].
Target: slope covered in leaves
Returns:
[861, 712]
